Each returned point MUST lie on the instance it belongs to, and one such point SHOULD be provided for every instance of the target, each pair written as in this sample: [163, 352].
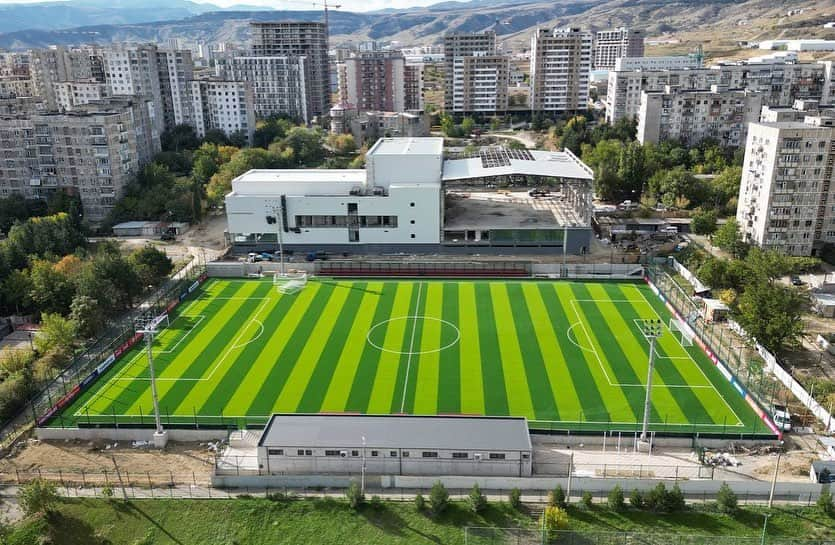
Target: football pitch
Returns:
[566, 355]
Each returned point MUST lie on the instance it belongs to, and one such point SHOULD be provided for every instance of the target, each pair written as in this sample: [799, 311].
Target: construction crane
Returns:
[323, 4]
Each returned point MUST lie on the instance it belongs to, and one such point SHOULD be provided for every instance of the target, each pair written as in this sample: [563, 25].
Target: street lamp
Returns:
[651, 329]
[765, 526]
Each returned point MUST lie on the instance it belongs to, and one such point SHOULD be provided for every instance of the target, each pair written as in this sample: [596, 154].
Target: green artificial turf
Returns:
[331, 522]
[566, 355]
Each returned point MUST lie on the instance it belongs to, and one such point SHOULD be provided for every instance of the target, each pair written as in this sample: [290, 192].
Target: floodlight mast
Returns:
[652, 329]
[149, 331]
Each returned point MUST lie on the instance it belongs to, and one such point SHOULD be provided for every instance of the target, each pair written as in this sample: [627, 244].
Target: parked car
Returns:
[318, 254]
[796, 281]
[538, 192]
[168, 236]
[782, 417]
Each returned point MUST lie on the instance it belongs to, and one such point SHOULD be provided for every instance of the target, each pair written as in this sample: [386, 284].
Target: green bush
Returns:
[825, 502]
[615, 501]
[636, 499]
[354, 495]
[107, 492]
[477, 500]
[556, 497]
[654, 500]
[439, 498]
[38, 497]
[674, 500]
[587, 499]
[554, 518]
[515, 498]
[420, 502]
[726, 500]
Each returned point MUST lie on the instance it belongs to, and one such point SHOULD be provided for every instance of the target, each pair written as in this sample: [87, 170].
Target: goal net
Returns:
[290, 282]
[152, 323]
[682, 332]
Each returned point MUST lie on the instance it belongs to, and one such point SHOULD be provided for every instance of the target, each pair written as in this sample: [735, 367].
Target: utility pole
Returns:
[652, 330]
[774, 483]
[362, 479]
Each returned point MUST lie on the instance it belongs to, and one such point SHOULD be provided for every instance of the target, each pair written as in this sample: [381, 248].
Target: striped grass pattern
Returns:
[566, 355]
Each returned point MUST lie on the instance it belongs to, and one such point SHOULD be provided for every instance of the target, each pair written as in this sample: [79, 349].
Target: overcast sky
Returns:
[349, 5]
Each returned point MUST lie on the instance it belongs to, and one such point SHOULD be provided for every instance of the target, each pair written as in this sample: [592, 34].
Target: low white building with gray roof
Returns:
[395, 445]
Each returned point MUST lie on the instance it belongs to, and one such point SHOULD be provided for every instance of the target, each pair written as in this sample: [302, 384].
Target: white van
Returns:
[782, 417]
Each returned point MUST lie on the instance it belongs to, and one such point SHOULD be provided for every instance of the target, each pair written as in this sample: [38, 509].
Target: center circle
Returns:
[450, 335]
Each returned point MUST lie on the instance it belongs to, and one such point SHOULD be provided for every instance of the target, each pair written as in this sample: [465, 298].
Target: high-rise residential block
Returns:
[692, 116]
[278, 83]
[57, 64]
[71, 94]
[560, 65]
[228, 106]
[413, 86]
[787, 195]
[610, 45]
[373, 80]
[780, 82]
[475, 76]
[299, 39]
[94, 151]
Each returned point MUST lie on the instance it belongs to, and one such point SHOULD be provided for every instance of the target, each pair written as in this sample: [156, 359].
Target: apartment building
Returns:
[786, 197]
[299, 39]
[474, 85]
[671, 62]
[610, 45]
[691, 116]
[131, 70]
[176, 69]
[373, 80]
[12, 86]
[367, 127]
[71, 94]
[228, 106]
[57, 64]
[778, 80]
[93, 151]
[413, 86]
[560, 65]
[278, 83]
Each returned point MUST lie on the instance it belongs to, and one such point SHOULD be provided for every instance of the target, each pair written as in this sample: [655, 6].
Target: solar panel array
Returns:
[501, 157]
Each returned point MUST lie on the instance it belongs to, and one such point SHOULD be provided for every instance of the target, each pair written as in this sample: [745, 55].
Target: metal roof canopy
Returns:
[482, 433]
[549, 164]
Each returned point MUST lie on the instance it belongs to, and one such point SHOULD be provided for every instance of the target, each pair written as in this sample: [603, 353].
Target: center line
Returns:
[411, 346]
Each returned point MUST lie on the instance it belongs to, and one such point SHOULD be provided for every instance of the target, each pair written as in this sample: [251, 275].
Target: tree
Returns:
[420, 503]
[515, 498]
[557, 497]
[342, 144]
[51, 290]
[306, 145]
[726, 500]
[824, 502]
[476, 499]
[111, 267]
[615, 500]
[772, 314]
[38, 497]
[703, 222]
[354, 495]
[636, 499]
[674, 500]
[726, 187]
[269, 130]
[728, 238]
[57, 334]
[632, 169]
[604, 160]
[180, 137]
[655, 498]
[587, 499]
[438, 498]
[88, 315]
[767, 265]
[554, 519]
[216, 137]
[574, 134]
[152, 266]
[467, 125]
[16, 290]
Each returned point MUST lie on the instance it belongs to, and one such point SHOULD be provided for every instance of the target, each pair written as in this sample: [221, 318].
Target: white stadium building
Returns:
[410, 198]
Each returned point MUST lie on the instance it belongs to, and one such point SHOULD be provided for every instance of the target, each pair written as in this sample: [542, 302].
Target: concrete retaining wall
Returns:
[627, 439]
[292, 481]
[126, 434]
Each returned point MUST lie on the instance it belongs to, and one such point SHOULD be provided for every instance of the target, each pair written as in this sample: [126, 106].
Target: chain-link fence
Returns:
[536, 536]
[742, 360]
[121, 331]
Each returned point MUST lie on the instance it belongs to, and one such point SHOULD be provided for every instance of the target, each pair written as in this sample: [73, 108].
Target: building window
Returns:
[393, 454]
[412, 204]
[374, 453]
[304, 452]
[412, 235]
[460, 455]
[275, 452]
[429, 454]
[331, 453]
[355, 453]
[496, 456]
[405, 453]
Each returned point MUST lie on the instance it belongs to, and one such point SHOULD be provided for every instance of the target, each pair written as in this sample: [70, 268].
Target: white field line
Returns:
[192, 328]
[121, 378]
[725, 401]
[411, 347]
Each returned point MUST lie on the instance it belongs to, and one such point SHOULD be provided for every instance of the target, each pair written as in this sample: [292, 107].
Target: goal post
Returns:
[290, 282]
[683, 332]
